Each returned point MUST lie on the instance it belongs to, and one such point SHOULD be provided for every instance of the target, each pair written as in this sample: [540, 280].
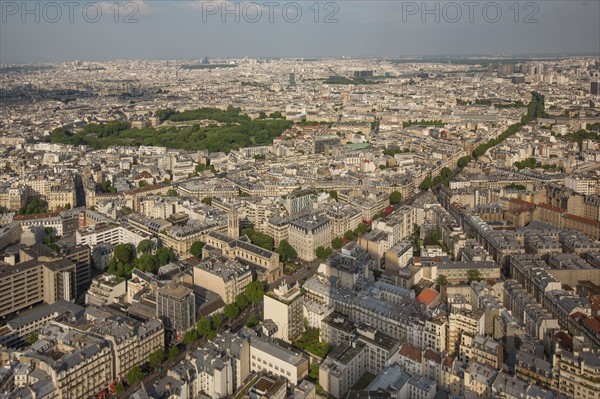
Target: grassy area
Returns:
[244, 391]
[229, 131]
[363, 382]
[309, 341]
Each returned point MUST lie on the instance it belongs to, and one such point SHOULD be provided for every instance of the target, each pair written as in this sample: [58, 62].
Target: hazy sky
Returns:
[172, 29]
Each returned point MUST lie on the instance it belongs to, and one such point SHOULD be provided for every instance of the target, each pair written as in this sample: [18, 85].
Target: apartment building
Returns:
[16, 331]
[285, 307]
[463, 322]
[578, 374]
[482, 349]
[104, 233]
[37, 279]
[308, 234]
[227, 278]
[337, 330]
[342, 368]
[343, 218]
[61, 197]
[176, 307]
[105, 290]
[78, 364]
[131, 342]
[582, 185]
[267, 356]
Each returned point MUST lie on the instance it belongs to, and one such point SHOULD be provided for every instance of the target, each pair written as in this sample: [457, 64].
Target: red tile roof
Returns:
[411, 352]
[427, 296]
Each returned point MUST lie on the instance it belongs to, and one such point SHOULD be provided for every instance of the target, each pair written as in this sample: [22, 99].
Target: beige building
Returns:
[342, 368]
[227, 278]
[105, 290]
[582, 185]
[285, 306]
[79, 365]
[578, 374]
[61, 197]
[306, 235]
[181, 238]
[267, 356]
[36, 279]
[83, 353]
[263, 262]
[463, 322]
[482, 349]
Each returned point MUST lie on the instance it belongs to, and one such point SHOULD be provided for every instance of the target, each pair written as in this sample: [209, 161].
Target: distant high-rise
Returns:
[594, 87]
[205, 60]
[363, 74]
[176, 307]
[292, 79]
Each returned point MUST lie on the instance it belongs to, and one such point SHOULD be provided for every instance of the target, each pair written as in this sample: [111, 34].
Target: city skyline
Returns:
[190, 30]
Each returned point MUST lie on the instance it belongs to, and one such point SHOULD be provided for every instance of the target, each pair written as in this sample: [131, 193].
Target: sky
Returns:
[34, 31]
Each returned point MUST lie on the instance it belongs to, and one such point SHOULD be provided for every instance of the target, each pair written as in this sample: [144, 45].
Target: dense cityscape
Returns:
[415, 228]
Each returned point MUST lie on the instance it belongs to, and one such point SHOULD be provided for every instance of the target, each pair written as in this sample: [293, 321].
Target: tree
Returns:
[426, 184]
[165, 255]
[207, 201]
[286, 251]
[337, 243]
[172, 193]
[119, 388]
[262, 115]
[262, 240]
[32, 338]
[134, 376]
[395, 197]
[173, 352]
[474, 275]
[148, 263]
[34, 205]
[190, 337]
[323, 253]
[196, 249]
[252, 321]
[217, 320]
[349, 235]
[241, 301]
[200, 168]
[142, 183]
[433, 237]
[231, 311]
[124, 253]
[156, 358]
[442, 280]
[334, 194]
[464, 161]
[112, 266]
[145, 247]
[528, 163]
[361, 229]
[255, 292]
[203, 326]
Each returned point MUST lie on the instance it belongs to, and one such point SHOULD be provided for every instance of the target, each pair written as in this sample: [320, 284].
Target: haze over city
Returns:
[192, 29]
